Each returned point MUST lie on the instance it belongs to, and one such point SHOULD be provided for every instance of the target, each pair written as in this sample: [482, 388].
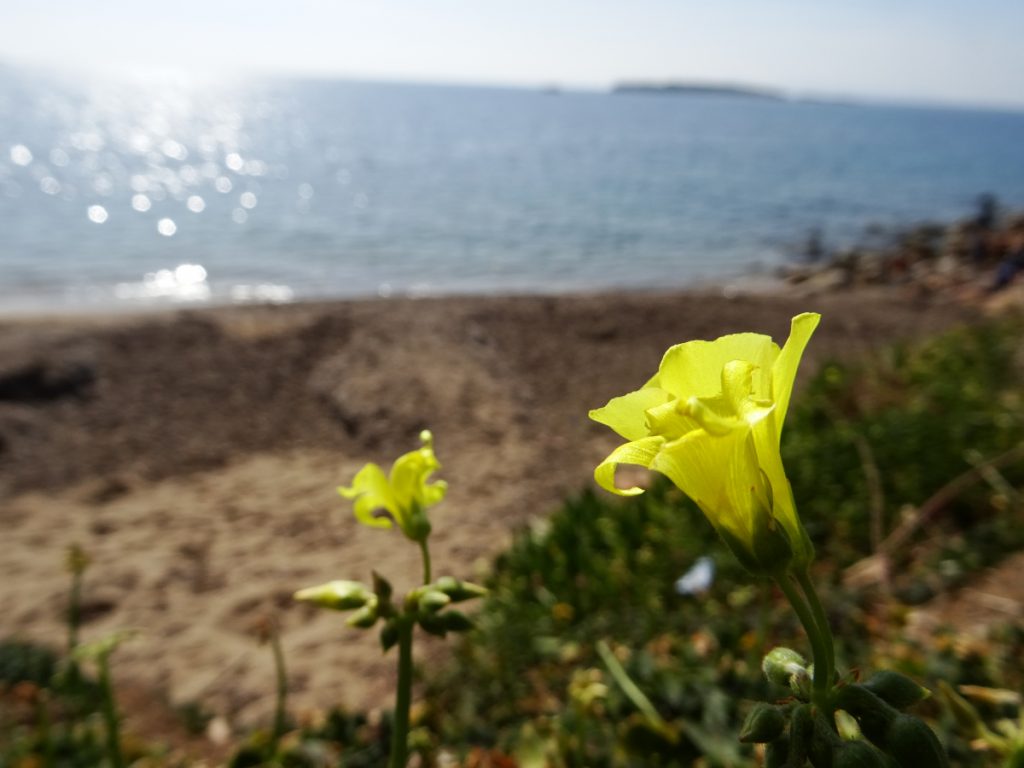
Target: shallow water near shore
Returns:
[162, 191]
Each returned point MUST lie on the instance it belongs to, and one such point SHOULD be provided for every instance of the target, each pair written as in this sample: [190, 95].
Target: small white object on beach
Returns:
[698, 579]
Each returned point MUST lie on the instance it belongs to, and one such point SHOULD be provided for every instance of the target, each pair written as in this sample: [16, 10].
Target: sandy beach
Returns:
[195, 454]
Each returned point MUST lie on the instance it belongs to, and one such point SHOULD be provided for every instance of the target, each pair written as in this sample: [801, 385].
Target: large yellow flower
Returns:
[711, 420]
[403, 496]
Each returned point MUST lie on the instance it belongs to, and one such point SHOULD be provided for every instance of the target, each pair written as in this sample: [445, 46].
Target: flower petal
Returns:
[371, 492]
[640, 452]
[698, 464]
[627, 415]
[786, 364]
[693, 369]
[670, 420]
[409, 475]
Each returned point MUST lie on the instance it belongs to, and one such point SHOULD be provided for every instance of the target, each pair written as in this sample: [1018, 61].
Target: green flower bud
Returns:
[432, 601]
[873, 715]
[823, 743]
[459, 590]
[765, 723]
[434, 624]
[336, 595]
[366, 616]
[857, 754]
[455, 621]
[913, 744]
[801, 730]
[896, 689]
[781, 664]
[389, 635]
[776, 754]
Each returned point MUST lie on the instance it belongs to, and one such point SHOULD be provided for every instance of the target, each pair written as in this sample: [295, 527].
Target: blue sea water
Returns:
[130, 193]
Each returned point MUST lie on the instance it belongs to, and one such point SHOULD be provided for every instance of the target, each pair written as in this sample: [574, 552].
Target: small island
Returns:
[697, 89]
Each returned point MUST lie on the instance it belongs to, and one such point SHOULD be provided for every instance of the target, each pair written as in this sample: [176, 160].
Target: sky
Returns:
[941, 51]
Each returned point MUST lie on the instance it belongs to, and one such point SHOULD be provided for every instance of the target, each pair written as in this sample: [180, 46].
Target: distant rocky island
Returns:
[698, 89]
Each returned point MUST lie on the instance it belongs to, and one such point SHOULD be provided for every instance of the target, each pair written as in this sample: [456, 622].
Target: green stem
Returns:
[426, 560]
[822, 684]
[820, 617]
[110, 714]
[280, 724]
[403, 696]
[74, 610]
[45, 733]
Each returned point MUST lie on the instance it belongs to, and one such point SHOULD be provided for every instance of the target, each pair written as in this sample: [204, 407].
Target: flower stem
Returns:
[426, 560]
[110, 714]
[822, 682]
[403, 696]
[280, 709]
[821, 619]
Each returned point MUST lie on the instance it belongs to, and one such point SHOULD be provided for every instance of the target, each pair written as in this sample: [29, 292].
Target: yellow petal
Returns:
[409, 476]
[694, 369]
[627, 415]
[371, 492]
[670, 420]
[640, 452]
[786, 364]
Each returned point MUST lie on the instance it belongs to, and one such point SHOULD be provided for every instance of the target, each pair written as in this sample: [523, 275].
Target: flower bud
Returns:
[765, 723]
[366, 616]
[336, 595]
[432, 601]
[895, 689]
[781, 664]
[389, 635]
[857, 754]
[913, 744]
[776, 754]
[459, 590]
[873, 715]
[455, 621]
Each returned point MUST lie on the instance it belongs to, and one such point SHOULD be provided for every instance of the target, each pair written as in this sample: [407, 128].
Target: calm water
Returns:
[161, 191]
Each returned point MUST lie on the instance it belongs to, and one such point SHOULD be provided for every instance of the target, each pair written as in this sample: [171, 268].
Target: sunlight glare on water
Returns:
[320, 188]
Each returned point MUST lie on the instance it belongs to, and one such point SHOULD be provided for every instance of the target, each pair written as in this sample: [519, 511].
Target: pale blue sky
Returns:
[959, 51]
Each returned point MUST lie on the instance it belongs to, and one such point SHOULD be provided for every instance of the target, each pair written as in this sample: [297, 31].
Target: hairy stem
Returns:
[822, 683]
[821, 619]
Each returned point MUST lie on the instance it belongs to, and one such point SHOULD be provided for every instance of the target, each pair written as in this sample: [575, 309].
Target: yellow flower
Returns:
[403, 496]
[711, 420]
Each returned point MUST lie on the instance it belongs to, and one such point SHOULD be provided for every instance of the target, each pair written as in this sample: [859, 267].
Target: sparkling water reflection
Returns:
[284, 189]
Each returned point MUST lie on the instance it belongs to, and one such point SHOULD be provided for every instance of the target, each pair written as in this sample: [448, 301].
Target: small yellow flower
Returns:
[711, 420]
[403, 496]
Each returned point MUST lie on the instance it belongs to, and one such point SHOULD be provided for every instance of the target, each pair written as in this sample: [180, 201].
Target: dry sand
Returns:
[194, 455]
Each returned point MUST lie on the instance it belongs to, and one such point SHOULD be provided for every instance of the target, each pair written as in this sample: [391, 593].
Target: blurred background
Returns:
[531, 201]
[220, 151]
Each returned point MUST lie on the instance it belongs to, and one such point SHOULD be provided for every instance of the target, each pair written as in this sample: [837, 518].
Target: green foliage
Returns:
[923, 415]
[603, 568]
[22, 662]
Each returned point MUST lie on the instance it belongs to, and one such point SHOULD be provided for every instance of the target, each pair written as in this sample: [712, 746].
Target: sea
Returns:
[124, 193]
